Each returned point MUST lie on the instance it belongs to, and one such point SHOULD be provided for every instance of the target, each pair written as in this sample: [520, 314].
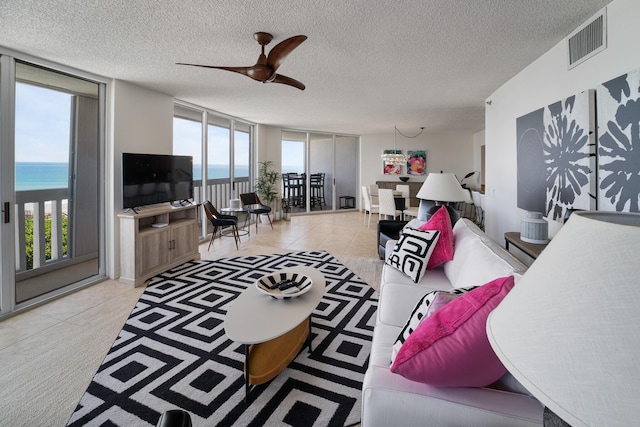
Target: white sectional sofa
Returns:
[389, 399]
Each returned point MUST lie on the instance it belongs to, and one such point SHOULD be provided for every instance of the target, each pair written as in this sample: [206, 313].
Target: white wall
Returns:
[545, 81]
[142, 122]
[478, 143]
[268, 145]
[448, 152]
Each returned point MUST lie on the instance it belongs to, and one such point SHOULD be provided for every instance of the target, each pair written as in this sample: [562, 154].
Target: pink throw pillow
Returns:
[443, 252]
[451, 348]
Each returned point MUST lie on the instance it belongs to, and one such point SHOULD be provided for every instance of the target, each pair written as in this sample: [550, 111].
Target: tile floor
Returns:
[49, 354]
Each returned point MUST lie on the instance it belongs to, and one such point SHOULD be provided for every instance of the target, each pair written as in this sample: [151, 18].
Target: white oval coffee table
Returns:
[272, 330]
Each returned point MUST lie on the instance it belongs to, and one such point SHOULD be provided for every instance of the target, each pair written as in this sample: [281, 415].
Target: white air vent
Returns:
[589, 39]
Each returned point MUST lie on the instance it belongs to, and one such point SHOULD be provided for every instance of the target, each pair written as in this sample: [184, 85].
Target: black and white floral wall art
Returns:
[531, 172]
[556, 157]
[619, 143]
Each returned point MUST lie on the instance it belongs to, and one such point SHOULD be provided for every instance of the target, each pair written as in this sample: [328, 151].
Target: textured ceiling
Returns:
[367, 65]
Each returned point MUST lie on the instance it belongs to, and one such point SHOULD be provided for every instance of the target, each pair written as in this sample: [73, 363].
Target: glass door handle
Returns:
[7, 213]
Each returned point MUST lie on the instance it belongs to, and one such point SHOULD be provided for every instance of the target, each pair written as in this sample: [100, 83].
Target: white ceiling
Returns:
[367, 65]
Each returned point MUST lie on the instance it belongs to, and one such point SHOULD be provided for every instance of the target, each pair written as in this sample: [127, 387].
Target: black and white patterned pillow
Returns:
[428, 304]
[412, 252]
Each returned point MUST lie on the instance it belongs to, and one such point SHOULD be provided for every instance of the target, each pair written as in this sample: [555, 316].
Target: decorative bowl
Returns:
[298, 284]
[404, 178]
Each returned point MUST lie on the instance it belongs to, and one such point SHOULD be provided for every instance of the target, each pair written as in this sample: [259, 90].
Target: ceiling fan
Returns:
[265, 69]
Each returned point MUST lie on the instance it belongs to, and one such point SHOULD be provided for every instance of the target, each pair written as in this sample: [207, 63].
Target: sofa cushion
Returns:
[381, 343]
[426, 306]
[397, 299]
[412, 252]
[451, 348]
[477, 258]
[443, 252]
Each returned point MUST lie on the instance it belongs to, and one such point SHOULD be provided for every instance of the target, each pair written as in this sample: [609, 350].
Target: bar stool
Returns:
[286, 188]
[317, 190]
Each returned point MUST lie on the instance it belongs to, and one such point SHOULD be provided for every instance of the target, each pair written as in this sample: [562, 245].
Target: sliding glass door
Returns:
[51, 190]
[319, 171]
[346, 172]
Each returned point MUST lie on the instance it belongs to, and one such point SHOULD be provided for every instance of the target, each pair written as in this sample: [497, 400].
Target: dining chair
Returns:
[404, 189]
[411, 212]
[478, 201]
[373, 192]
[369, 207]
[254, 206]
[218, 221]
[388, 204]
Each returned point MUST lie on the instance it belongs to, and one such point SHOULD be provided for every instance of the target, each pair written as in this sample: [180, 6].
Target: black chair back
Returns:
[250, 199]
[209, 210]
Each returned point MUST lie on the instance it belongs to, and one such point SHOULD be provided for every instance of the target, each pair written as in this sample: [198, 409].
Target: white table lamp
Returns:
[442, 188]
[569, 330]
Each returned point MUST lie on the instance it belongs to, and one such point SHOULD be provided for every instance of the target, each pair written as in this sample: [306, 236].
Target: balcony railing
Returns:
[44, 211]
[220, 191]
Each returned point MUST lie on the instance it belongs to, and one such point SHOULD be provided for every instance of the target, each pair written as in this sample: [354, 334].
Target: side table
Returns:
[347, 202]
[531, 249]
[235, 211]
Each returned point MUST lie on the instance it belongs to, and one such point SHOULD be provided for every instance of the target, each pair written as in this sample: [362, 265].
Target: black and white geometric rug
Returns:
[172, 352]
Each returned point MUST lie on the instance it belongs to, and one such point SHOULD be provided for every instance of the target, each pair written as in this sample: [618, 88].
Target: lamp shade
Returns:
[568, 330]
[442, 187]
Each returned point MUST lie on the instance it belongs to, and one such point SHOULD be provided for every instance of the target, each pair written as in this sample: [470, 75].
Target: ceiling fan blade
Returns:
[282, 49]
[279, 78]
[241, 70]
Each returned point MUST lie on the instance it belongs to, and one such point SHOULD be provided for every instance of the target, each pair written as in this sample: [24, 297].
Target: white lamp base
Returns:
[534, 229]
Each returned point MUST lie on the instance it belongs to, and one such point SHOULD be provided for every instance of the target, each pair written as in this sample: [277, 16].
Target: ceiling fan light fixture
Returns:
[264, 70]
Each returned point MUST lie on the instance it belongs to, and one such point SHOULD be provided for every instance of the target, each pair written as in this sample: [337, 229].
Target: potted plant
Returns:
[267, 185]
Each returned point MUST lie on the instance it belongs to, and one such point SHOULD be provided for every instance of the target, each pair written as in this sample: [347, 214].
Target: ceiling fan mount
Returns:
[264, 70]
[263, 38]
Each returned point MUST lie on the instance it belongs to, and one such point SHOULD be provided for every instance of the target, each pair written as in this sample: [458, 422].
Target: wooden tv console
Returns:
[155, 240]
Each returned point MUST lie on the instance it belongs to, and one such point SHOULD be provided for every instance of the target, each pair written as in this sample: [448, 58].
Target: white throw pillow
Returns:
[411, 253]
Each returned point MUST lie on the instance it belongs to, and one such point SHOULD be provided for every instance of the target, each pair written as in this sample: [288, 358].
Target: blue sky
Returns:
[187, 139]
[43, 119]
[293, 155]
[42, 125]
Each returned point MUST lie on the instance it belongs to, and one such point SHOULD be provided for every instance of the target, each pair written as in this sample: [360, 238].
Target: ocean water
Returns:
[219, 171]
[41, 176]
[44, 176]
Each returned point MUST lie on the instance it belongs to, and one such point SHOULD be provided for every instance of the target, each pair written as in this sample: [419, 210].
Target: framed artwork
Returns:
[417, 163]
[391, 168]
[619, 143]
[556, 157]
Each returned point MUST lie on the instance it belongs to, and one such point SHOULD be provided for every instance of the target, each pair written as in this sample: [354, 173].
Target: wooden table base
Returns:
[264, 361]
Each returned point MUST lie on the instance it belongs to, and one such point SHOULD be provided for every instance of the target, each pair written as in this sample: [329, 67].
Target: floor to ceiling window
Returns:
[241, 151]
[225, 143]
[187, 141]
[52, 133]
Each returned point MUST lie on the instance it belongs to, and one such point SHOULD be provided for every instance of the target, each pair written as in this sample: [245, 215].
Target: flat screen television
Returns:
[148, 179]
